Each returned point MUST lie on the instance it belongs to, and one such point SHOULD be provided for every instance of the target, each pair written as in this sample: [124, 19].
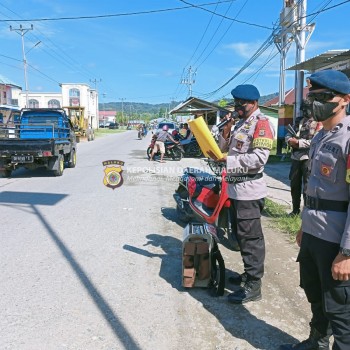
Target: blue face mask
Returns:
[323, 111]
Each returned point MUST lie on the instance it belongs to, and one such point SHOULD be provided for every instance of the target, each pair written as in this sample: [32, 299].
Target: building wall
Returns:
[43, 99]
[87, 98]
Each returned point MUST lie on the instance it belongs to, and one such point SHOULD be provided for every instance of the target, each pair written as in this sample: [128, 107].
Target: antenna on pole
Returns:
[189, 81]
[95, 82]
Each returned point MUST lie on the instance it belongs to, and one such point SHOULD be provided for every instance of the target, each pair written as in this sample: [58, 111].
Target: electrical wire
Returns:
[263, 48]
[213, 35]
[221, 38]
[113, 15]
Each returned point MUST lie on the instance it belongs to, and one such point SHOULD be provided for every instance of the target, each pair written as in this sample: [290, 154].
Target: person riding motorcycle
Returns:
[141, 130]
[161, 136]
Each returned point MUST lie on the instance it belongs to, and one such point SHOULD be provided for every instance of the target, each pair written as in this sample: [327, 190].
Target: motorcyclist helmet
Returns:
[165, 128]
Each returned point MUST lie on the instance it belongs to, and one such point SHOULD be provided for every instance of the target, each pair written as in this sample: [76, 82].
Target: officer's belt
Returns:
[325, 204]
[243, 178]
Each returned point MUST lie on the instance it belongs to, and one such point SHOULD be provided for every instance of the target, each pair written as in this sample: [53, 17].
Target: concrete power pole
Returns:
[302, 34]
[95, 82]
[189, 81]
[123, 99]
[283, 40]
[22, 31]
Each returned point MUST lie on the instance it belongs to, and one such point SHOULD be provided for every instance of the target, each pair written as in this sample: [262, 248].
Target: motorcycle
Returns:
[141, 134]
[202, 196]
[172, 150]
[190, 146]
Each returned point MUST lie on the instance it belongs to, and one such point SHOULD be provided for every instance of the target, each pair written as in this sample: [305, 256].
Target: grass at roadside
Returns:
[274, 158]
[103, 132]
[280, 219]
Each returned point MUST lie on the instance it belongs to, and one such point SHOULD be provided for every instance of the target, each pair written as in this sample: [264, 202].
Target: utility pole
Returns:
[95, 82]
[302, 35]
[104, 109]
[123, 99]
[283, 40]
[189, 81]
[22, 32]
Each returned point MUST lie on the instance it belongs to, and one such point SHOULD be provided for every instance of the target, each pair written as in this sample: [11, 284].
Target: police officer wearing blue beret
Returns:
[248, 144]
[324, 238]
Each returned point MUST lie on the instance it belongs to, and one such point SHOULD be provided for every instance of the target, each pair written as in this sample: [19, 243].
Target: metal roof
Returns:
[193, 105]
[335, 59]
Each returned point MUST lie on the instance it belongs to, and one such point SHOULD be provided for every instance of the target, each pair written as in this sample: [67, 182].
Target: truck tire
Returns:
[59, 166]
[72, 159]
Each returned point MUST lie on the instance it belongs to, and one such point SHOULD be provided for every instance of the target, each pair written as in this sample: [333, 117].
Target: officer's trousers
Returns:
[329, 299]
[246, 225]
[298, 177]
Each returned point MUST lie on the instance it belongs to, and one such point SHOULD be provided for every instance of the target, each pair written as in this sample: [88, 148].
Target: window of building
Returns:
[74, 97]
[33, 103]
[54, 104]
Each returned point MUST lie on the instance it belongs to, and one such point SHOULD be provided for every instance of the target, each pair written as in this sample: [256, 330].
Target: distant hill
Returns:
[136, 107]
[147, 108]
[266, 98]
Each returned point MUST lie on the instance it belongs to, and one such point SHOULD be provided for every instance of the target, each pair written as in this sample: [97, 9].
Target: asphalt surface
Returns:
[85, 267]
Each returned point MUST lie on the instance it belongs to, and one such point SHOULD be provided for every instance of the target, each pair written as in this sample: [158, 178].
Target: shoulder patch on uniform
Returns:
[263, 137]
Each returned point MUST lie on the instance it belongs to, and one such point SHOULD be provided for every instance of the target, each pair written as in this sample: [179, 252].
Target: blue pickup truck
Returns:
[41, 138]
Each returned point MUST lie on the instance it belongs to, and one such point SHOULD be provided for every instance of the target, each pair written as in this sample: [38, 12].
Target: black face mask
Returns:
[240, 108]
[323, 111]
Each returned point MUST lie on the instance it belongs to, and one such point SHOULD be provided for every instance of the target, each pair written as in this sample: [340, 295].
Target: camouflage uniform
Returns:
[306, 127]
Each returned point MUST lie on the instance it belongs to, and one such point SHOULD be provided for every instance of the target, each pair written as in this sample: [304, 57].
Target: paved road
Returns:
[85, 267]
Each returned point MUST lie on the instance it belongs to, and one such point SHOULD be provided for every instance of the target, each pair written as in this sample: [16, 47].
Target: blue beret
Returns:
[330, 79]
[246, 92]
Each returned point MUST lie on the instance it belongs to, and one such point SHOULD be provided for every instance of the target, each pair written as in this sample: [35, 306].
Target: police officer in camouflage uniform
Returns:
[248, 145]
[305, 128]
[324, 238]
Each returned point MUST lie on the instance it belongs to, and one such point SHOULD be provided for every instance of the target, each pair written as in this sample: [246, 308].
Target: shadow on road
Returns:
[236, 319]
[31, 201]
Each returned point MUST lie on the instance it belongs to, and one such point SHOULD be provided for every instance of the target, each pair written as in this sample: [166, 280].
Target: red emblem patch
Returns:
[239, 144]
[326, 170]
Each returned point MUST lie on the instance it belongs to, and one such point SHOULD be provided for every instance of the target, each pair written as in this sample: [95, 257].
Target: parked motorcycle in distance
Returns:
[190, 146]
[172, 150]
[202, 196]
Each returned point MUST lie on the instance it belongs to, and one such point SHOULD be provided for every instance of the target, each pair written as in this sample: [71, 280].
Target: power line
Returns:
[114, 15]
[262, 48]
[201, 39]
[206, 57]
[59, 54]
[229, 18]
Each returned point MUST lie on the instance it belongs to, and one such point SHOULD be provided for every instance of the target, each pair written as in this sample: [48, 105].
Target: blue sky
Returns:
[143, 57]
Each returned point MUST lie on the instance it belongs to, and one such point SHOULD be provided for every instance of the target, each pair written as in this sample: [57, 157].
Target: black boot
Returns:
[295, 212]
[237, 278]
[250, 291]
[316, 341]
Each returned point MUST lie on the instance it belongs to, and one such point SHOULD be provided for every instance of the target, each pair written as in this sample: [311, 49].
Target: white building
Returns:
[72, 95]
[8, 98]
